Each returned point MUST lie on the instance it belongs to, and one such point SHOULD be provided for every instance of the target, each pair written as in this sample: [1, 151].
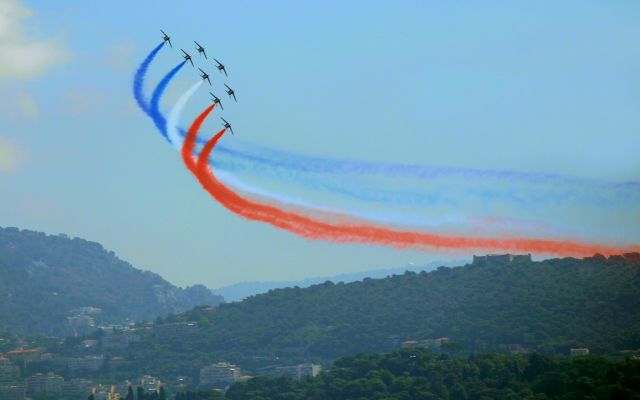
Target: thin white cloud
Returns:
[20, 56]
[10, 156]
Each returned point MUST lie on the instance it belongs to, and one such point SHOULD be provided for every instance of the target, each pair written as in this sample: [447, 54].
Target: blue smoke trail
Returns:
[313, 164]
[279, 163]
[138, 79]
[266, 156]
[154, 111]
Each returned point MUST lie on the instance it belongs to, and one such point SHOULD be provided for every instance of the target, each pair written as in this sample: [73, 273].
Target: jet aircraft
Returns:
[200, 49]
[166, 37]
[227, 125]
[187, 57]
[216, 100]
[205, 76]
[231, 93]
[221, 67]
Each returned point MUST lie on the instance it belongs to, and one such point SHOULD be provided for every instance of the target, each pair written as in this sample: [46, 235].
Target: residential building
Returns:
[219, 375]
[517, 348]
[80, 388]
[89, 310]
[88, 344]
[87, 363]
[175, 330]
[118, 341]
[408, 344]
[8, 371]
[12, 391]
[150, 383]
[299, 371]
[582, 351]
[24, 355]
[45, 384]
[81, 324]
[432, 343]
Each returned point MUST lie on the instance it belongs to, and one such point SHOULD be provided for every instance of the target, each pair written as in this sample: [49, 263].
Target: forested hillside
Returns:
[547, 306]
[45, 279]
[242, 290]
[422, 375]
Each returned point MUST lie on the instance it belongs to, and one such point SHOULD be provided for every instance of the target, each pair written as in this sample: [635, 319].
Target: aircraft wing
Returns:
[205, 54]
[234, 97]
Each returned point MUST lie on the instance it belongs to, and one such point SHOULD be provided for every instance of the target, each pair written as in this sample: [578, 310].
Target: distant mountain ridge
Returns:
[242, 290]
[46, 278]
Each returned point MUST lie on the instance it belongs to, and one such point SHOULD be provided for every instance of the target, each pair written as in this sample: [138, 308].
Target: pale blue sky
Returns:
[549, 87]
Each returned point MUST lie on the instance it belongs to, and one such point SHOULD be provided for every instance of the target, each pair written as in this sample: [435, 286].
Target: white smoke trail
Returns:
[174, 116]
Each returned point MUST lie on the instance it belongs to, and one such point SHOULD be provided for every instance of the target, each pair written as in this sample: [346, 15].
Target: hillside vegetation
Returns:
[44, 279]
[547, 307]
[420, 374]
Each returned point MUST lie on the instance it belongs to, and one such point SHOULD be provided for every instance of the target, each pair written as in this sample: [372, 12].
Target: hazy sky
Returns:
[549, 87]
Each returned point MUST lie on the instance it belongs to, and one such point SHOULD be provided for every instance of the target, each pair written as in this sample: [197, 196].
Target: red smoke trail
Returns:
[307, 227]
[189, 145]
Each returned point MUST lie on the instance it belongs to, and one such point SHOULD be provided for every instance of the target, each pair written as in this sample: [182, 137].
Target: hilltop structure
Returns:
[501, 259]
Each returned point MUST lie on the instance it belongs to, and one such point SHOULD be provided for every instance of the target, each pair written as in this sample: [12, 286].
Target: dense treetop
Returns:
[421, 374]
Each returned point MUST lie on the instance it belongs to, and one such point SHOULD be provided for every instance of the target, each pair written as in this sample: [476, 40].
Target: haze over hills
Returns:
[44, 279]
[239, 291]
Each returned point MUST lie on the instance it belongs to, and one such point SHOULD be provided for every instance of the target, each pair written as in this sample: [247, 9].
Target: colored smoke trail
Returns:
[154, 110]
[231, 180]
[345, 232]
[276, 158]
[138, 79]
[291, 167]
[250, 158]
[188, 149]
[173, 133]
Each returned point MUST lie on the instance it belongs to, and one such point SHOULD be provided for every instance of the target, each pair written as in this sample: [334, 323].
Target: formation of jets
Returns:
[205, 77]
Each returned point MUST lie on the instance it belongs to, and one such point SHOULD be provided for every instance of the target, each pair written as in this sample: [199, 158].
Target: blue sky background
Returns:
[548, 87]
